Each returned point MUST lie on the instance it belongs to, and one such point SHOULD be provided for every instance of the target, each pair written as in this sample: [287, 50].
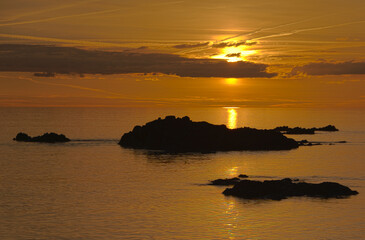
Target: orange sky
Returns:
[183, 53]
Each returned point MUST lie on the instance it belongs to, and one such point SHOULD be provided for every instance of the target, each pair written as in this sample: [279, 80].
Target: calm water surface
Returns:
[91, 188]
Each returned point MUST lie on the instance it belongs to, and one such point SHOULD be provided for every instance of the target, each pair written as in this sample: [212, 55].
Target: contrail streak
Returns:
[251, 33]
[60, 40]
[306, 30]
[63, 7]
[288, 33]
[59, 17]
[269, 28]
[73, 86]
[47, 10]
[109, 94]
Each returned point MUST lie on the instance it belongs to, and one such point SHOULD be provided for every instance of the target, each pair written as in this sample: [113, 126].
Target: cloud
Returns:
[325, 68]
[46, 10]
[58, 17]
[233, 55]
[66, 60]
[292, 32]
[232, 44]
[195, 45]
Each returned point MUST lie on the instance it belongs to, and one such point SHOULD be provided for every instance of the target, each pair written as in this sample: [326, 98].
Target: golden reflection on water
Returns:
[233, 171]
[232, 117]
[230, 224]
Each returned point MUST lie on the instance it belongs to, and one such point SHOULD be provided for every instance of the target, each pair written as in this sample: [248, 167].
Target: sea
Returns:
[92, 188]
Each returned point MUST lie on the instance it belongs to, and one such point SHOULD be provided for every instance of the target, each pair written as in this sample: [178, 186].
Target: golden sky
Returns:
[262, 53]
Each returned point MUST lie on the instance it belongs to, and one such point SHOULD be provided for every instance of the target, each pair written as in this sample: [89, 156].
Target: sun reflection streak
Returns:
[233, 171]
[232, 117]
[231, 215]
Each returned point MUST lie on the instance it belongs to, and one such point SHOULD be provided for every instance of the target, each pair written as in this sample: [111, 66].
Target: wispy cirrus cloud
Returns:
[47, 10]
[57, 17]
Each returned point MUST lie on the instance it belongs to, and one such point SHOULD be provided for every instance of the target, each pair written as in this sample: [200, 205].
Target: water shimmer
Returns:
[91, 188]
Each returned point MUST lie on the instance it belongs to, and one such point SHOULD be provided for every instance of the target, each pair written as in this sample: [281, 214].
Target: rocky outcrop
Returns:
[300, 130]
[328, 128]
[228, 181]
[280, 189]
[183, 135]
[225, 182]
[46, 138]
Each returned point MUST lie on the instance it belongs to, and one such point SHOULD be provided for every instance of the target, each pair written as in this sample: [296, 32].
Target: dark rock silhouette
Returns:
[307, 143]
[329, 128]
[299, 130]
[281, 189]
[44, 74]
[183, 135]
[47, 138]
[225, 182]
[242, 176]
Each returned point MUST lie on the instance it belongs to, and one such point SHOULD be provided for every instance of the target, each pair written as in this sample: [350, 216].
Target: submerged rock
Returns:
[47, 138]
[183, 135]
[280, 189]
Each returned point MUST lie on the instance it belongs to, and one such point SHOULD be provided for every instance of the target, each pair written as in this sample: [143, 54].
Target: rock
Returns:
[329, 128]
[183, 135]
[22, 137]
[242, 176]
[299, 130]
[296, 130]
[225, 182]
[47, 138]
[281, 189]
[44, 74]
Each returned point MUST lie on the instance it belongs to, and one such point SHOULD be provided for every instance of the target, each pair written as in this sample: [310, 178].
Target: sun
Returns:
[231, 81]
[234, 54]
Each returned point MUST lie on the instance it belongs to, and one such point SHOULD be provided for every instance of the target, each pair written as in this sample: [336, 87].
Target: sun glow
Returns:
[231, 81]
[234, 54]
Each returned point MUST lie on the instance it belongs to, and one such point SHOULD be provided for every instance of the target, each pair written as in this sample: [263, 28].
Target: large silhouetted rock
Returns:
[183, 135]
[47, 138]
[280, 189]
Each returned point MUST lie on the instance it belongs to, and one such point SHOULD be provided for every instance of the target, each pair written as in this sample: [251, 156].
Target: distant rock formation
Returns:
[183, 135]
[316, 143]
[299, 130]
[44, 74]
[225, 182]
[228, 181]
[281, 189]
[328, 128]
[46, 138]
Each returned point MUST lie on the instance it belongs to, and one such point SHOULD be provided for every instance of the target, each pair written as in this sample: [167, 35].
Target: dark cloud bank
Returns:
[66, 60]
[233, 44]
[324, 68]
[193, 45]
